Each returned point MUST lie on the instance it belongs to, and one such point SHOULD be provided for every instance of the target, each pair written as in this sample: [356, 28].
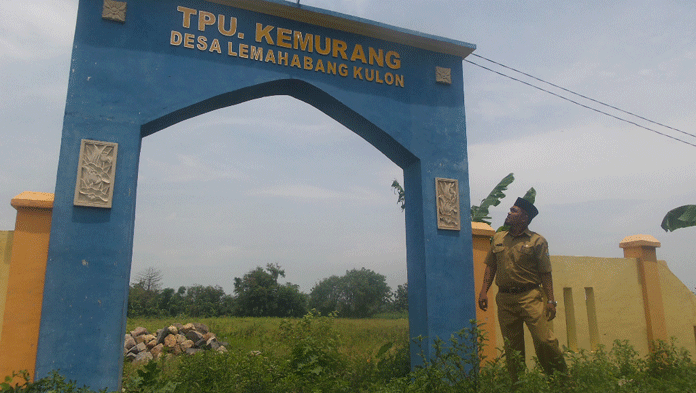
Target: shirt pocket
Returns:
[526, 250]
[525, 255]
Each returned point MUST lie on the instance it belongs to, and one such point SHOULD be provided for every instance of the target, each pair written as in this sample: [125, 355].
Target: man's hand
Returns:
[550, 311]
[483, 301]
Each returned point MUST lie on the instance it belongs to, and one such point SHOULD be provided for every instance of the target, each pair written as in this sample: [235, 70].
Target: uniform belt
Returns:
[519, 289]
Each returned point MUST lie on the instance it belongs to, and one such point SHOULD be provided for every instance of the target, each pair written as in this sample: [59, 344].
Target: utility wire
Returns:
[580, 104]
[583, 96]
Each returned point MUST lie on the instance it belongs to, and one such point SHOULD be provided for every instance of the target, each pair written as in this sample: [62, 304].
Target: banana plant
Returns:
[480, 213]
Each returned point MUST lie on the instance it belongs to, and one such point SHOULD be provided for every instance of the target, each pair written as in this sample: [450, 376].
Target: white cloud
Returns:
[309, 192]
[189, 168]
[36, 30]
[590, 162]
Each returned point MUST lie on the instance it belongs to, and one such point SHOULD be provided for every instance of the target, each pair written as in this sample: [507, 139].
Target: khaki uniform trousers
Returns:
[528, 308]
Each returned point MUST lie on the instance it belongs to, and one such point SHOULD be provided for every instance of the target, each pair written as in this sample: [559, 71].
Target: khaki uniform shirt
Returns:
[519, 260]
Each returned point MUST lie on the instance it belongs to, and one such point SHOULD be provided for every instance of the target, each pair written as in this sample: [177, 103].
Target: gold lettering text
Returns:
[295, 61]
[221, 26]
[256, 53]
[230, 49]
[305, 44]
[264, 33]
[339, 47]
[358, 54]
[308, 63]
[399, 81]
[317, 45]
[202, 43]
[331, 67]
[244, 51]
[270, 57]
[393, 60]
[283, 38]
[377, 77]
[187, 15]
[283, 58]
[376, 57]
[175, 38]
[188, 40]
[205, 18]
[215, 46]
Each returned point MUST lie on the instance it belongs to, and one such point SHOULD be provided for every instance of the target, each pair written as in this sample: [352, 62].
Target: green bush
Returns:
[54, 383]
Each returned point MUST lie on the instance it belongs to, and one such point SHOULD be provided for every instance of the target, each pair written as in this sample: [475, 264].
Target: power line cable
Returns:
[580, 104]
[583, 96]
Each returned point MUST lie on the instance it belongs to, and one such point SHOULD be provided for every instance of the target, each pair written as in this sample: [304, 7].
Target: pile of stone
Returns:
[141, 346]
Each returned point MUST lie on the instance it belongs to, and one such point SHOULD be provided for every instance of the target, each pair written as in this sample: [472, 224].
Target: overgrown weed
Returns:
[307, 355]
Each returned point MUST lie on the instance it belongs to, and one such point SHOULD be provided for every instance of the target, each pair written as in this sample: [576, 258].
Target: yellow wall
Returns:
[481, 243]
[618, 301]
[22, 316]
[680, 308]
[5, 254]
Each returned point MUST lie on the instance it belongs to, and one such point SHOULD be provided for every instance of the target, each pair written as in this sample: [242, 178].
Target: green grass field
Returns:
[317, 354]
[357, 336]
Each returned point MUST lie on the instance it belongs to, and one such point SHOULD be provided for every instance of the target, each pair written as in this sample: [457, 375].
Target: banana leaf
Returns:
[681, 217]
[530, 196]
[480, 213]
[398, 190]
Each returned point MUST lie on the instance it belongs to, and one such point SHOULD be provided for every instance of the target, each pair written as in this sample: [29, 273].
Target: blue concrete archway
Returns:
[141, 66]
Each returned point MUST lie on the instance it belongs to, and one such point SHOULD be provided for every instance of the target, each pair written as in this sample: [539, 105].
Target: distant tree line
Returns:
[357, 294]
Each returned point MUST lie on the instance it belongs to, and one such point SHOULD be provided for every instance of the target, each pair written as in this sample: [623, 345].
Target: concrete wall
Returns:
[5, 254]
[22, 315]
[680, 308]
[599, 301]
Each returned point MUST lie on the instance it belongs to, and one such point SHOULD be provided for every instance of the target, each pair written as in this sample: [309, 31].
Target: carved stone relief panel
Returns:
[448, 212]
[96, 171]
[114, 10]
[443, 75]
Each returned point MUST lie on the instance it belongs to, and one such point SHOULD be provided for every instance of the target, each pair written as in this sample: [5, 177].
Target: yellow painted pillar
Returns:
[481, 238]
[22, 317]
[5, 254]
[643, 248]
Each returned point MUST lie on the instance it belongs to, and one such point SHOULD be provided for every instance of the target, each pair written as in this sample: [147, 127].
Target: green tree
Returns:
[207, 301]
[143, 293]
[141, 303]
[358, 294]
[681, 217]
[170, 303]
[258, 294]
[400, 298]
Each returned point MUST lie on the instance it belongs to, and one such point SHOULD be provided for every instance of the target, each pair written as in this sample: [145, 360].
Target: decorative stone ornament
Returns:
[448, 213]
[443, 75]
[95, 174]
[114, 10]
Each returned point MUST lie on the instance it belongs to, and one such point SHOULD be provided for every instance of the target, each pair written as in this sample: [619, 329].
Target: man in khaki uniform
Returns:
[519, 261]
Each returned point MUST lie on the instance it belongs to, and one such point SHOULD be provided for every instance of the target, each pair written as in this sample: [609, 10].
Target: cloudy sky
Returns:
[213, 190]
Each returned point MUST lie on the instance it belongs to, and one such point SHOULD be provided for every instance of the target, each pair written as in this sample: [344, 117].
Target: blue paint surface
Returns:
[127, 81]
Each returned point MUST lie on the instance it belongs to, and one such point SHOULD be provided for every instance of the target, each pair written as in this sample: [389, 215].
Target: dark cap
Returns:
[527, 207]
